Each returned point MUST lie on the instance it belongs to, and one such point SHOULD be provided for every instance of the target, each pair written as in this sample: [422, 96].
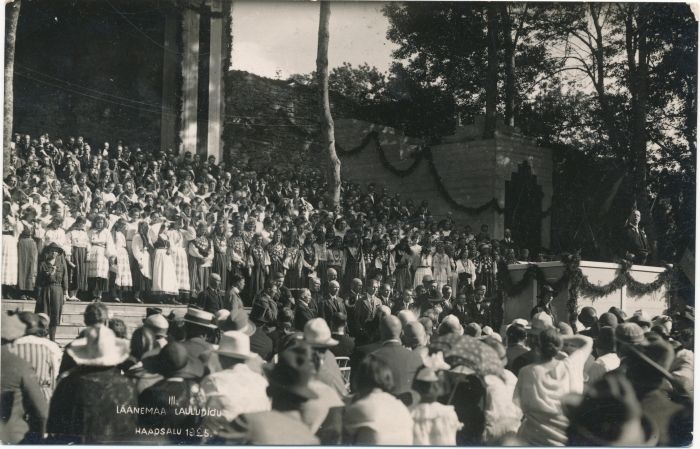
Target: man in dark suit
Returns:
[303, 312]
[332, 303]
[211, 299]
[459, 309]
[479, 311]
[634, 240]
[403, 362]
[365, 311]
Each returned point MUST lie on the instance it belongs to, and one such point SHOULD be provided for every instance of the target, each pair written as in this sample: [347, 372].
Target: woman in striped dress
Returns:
[321, 252]
[99, 252]
[201, 254]
[121, 273]
[10, 259]
[221, 262]
[141, 249]
[27, 257]
[79, 242]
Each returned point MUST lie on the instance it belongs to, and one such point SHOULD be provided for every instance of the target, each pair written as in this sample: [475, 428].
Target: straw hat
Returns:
[99, 347]
[235, 344]
[318, 335]
[200, 317]
[540, 322]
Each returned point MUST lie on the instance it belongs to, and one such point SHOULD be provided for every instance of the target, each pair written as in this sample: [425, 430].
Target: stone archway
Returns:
[523, 205]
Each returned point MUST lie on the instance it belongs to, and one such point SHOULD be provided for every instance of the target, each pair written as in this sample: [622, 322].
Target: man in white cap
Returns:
[236, 388]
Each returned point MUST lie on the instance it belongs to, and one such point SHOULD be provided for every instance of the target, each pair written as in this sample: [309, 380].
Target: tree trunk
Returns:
[492, 70]
[327, 127]
[11, 18]
[510, 65]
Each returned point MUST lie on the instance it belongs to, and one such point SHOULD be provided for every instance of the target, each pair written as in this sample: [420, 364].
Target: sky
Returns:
[278, 39]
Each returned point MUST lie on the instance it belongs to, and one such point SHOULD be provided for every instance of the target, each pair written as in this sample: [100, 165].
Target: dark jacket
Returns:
[211, 300]
[345, 347]
[403, 363]
[357, 356]
[261, 344]
[302, 314]
[635, 241]
[329, 307]
[171, 395]
[21, 396]
[84, 407]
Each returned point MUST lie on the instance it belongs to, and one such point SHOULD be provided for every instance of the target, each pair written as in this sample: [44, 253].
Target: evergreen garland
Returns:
[578, 283]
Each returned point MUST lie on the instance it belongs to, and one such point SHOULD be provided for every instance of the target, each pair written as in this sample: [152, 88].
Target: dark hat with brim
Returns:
[293, 371]
[173, 360]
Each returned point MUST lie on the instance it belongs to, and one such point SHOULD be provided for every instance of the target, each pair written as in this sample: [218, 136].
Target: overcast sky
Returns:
[281, 36]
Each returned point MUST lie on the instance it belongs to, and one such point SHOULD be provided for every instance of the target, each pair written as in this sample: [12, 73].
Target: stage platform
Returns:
[598, 273]
[72, 317]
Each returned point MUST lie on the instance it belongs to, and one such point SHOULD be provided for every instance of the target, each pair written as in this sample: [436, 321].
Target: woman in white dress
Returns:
[425, 266]
[164, 277]
[11, 228]
[442, 266]
[101, 249]
[122, 267]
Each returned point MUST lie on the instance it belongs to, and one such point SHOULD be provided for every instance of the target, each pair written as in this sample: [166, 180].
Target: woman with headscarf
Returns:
[101, 249]
[180, 235]
[78, 273]
[259, 265]
[164, 277]
[120, 279]
[222, 258]
[26, 255]
[402, 259]
[142, 250]
[277, 250]
[52, 286]
[11, 229]
[201, 254]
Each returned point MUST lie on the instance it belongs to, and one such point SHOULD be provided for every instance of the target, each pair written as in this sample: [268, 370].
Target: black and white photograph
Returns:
[371, 223]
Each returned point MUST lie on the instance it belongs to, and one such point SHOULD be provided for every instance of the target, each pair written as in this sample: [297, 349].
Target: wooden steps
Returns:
[72, 316]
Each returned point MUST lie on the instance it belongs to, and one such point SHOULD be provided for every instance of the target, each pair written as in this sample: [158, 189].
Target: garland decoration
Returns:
[425, 152]
[578, 283]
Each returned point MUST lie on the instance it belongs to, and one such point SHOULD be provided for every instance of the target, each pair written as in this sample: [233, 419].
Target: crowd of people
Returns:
[122, 224]
[371, 323]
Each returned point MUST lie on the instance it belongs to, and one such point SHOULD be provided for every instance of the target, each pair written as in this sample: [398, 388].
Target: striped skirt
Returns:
[182, 272]
[79, 274]
[123, 274]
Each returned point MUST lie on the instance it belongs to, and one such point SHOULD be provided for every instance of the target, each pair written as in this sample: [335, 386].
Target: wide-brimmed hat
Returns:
[427, 278]
[318, 335]
[200, 317]
[293, 371]
[238, 321]
[235, 344]
[99, 347]
[630, 333]
[173, 360]
[12, 327]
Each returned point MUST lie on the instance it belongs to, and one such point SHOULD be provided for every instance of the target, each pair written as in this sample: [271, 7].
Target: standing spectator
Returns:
[346, 344]
[142, 267]
[25, 262]
[101, 250]
[211, 299]
[174, 392]
[24, 407]
[52, 286]
[79, 250]
[83, 407]
[11, 229]
[541, 386]
[375, 416]
[42, 354]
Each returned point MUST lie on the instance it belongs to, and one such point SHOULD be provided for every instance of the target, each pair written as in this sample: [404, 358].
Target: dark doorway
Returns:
[523, 208]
